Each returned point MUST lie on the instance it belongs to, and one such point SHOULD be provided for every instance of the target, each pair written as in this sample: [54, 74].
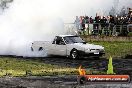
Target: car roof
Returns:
[66, 35]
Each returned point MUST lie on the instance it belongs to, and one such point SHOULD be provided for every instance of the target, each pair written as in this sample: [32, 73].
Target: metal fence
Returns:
[108, 29]
[99, 29]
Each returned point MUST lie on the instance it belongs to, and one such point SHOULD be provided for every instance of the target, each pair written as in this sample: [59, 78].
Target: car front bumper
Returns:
[91, 54]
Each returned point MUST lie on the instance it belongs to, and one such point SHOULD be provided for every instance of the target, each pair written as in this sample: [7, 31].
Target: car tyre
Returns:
[74, 54]
[96, 58]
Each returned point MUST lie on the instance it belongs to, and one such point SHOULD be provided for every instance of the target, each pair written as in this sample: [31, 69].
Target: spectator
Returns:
[87, 19]
[91, 19]
[109, 22]
[78, 24]
[112, 21]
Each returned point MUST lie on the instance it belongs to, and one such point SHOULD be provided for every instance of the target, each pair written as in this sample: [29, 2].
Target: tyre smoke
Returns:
[24, 22]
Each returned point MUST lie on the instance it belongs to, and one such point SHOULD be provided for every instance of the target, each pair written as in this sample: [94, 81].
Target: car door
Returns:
[51, 47]
[60, 47]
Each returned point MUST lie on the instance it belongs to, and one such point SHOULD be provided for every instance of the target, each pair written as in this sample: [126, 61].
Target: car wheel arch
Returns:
[74, 49]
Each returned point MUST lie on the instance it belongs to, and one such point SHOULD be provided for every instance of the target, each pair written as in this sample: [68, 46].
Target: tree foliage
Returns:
[112, 11]
[123, 11]
[4, 4]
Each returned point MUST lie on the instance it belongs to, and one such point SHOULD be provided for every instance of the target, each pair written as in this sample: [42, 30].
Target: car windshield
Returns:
[73, 39]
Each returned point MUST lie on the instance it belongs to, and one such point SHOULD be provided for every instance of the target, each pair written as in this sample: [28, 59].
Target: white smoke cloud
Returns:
[24, 22]
[30, 20]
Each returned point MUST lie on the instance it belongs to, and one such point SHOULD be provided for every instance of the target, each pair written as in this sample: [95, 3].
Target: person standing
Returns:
[78, 25]
[83, 25]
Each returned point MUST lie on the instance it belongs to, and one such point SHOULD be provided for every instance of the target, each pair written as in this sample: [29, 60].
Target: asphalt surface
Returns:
[121, 66]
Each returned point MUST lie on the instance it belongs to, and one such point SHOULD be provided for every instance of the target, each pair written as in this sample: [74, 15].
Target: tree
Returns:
[3, 4]
[123, 11]
[112, 11]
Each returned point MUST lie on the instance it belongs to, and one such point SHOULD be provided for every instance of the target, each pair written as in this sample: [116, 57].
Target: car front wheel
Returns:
[74, 54]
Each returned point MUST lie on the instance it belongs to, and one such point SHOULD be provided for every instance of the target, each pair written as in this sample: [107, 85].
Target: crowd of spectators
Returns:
[102, 20]
[109, 22]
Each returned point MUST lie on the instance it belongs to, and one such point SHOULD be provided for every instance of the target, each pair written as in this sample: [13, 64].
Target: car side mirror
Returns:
[62, 43]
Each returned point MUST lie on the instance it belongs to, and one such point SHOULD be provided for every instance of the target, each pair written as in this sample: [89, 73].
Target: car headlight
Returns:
[87, 50]
[102, 49]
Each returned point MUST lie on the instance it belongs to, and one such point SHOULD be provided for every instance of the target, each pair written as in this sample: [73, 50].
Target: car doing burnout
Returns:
[70, 46]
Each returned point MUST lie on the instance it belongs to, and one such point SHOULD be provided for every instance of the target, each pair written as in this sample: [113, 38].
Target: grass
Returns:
[19, 67]
[15, 67]
[116, 49]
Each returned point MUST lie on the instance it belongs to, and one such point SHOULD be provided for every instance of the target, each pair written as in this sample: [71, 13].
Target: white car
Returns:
[68, 45]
